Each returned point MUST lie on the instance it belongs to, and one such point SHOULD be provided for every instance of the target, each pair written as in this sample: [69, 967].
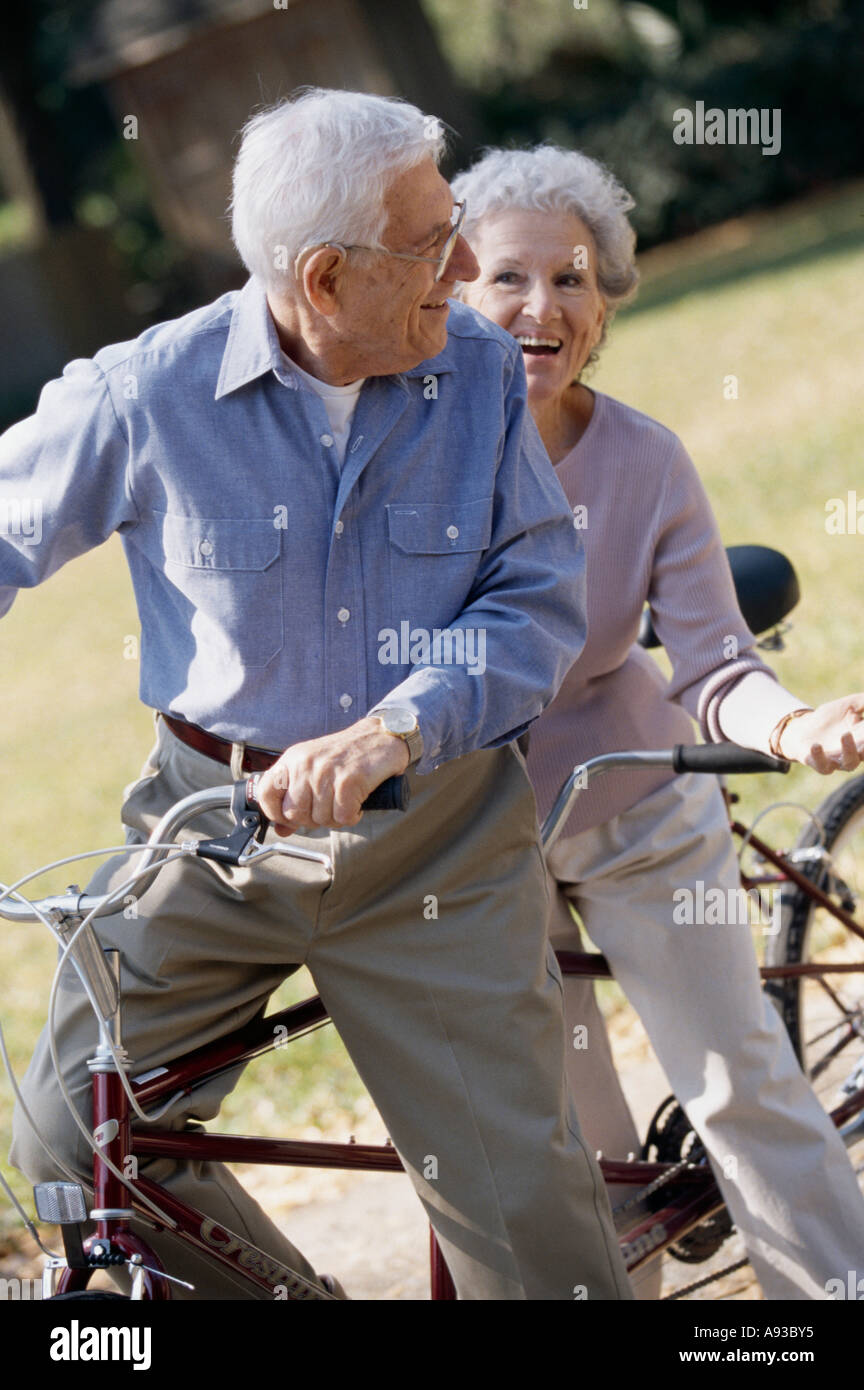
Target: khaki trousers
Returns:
[454, 1021]
[780, 1164]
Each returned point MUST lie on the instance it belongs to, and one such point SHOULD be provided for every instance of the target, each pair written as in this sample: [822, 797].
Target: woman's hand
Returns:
[829, 738]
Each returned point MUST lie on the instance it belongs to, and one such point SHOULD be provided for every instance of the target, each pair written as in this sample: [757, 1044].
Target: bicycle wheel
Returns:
[90, 1295]
[825, 1016]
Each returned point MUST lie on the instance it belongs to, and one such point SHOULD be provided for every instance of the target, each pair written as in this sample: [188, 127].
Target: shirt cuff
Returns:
[420, 695]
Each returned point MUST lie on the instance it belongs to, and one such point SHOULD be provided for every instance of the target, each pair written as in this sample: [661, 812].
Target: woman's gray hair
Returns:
[316, 169]
[550, 179]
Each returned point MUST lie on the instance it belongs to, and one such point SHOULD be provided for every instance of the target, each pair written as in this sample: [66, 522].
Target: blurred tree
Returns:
[696, 18]
[57, 125]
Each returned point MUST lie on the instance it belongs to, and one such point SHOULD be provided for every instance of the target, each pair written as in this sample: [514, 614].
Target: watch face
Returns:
[399, 721]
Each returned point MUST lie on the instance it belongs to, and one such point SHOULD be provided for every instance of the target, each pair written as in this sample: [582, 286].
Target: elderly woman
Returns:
[550, 231]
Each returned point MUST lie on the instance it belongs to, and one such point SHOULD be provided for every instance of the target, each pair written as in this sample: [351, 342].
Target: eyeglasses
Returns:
[442, 261]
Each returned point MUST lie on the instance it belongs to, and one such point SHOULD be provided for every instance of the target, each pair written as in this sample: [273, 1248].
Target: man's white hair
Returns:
[316, 168]
[550, 179]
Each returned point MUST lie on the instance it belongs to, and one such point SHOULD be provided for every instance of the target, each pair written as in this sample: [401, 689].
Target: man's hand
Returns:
[324, 781]
[829, 738]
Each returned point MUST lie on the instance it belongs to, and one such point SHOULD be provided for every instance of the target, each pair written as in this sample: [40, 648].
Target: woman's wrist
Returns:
[749, 711]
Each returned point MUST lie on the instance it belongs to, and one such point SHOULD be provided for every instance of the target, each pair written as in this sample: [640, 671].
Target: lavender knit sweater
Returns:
[650, 536]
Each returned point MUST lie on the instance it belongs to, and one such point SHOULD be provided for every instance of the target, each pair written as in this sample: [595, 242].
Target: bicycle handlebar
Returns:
[392, 794]
[684, 757]
[724, 757]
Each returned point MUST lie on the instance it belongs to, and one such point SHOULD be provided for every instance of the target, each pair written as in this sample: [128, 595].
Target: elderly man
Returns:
[311, 477]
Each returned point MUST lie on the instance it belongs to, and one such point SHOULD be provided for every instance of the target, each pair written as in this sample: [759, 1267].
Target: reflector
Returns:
[61, 1203]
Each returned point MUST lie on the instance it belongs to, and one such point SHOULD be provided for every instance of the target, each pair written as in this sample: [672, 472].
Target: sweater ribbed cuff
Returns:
[717, 688]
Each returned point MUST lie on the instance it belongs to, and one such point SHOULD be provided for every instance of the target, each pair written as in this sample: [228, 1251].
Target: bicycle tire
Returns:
[89, 1294]
[814, 1020]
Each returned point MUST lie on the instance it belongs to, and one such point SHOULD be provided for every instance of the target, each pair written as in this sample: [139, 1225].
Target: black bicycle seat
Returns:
[766, 585]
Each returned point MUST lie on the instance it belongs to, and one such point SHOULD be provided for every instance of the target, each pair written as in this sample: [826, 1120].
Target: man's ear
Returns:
[320, 275]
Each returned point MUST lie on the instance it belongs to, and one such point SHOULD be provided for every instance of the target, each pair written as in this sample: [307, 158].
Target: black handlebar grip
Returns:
[392, 795]
[723, 757]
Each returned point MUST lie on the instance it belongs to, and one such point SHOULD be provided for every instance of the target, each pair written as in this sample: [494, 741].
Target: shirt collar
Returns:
[253, 343]
[253, 346]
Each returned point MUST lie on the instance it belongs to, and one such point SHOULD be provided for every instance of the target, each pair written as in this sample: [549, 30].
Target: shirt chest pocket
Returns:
[435, 552]
[228, 569]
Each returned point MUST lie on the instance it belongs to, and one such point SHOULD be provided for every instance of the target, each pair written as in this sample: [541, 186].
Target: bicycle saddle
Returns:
[766, 586]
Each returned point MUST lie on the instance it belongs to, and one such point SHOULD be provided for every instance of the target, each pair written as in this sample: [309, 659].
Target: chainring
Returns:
[670, 1139]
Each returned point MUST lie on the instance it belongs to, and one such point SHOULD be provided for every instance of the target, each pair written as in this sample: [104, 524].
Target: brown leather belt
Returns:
[254, 759]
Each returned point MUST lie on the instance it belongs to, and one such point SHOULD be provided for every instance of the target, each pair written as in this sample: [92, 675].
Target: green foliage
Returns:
[82, 168]
[608, 79]
[15, 225]
[491, 42]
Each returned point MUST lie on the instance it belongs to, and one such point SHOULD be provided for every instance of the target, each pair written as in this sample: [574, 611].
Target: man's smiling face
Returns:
[392, 312]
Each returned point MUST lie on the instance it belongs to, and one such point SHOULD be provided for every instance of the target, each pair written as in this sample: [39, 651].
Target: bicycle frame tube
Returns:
[244, 1260]
[254, 1038]
[693, 1197]
[657, 1230]
[261, 1035]
[789, 872]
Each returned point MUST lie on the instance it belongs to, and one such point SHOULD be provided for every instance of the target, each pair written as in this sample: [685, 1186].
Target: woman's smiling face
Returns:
[534, 281]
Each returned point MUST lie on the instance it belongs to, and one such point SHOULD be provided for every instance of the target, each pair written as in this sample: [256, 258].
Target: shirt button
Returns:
[205, 547]
[327, 440]
[452, 532]
[344, 614]
[346, 701]
[339, 527]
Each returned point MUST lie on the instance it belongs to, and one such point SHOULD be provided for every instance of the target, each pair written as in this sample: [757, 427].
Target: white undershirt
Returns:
[340, 402]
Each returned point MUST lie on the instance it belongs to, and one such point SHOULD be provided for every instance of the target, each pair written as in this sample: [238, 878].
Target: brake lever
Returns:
[250, 825]
[239, 847]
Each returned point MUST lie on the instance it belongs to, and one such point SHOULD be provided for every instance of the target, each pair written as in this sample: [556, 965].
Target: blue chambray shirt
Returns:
[267, 579]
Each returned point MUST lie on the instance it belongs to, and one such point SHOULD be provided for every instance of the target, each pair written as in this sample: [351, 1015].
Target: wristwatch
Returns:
[402, 723]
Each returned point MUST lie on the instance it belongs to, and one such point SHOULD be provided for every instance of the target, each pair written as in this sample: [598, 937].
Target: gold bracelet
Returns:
[779, 728]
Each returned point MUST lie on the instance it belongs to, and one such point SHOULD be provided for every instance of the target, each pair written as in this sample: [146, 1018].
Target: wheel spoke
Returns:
[819, 1067]
[824, 1014]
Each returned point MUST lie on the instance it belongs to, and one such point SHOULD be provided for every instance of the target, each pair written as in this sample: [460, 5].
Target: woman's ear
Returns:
[601, 320]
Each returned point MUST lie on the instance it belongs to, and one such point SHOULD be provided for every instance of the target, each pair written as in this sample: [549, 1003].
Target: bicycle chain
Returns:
[701, 1283]
[645, 1192]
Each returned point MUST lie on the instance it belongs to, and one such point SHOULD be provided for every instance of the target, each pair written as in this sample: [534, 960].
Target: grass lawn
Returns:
[775, 300]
